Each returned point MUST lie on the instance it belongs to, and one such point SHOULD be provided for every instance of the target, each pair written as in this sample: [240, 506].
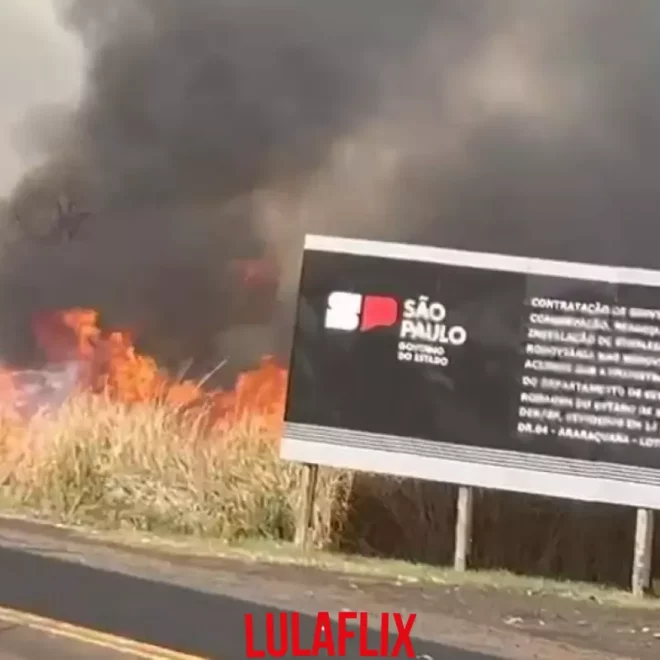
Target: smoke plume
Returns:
[211, 130]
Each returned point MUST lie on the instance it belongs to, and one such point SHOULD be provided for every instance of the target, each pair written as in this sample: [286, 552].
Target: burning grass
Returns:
[101, 435]
[152, 467]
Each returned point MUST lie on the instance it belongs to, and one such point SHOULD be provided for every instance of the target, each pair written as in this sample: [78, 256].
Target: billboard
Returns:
[478, 369]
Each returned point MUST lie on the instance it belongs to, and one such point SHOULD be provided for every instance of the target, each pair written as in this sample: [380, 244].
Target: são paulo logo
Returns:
[422, 324]
[353, 311]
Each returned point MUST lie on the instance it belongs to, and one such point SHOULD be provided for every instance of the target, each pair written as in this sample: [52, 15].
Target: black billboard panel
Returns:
[482, 369]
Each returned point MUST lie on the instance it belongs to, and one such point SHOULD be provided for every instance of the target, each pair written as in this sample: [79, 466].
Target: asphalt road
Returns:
[156, 613]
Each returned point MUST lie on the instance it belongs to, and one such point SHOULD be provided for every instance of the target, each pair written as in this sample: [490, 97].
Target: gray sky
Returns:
[40, 65]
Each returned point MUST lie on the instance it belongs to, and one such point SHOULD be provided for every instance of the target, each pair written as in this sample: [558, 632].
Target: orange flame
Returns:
[108, 363]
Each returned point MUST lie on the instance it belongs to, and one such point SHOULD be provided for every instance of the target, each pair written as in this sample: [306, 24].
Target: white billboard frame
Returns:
[500, 469]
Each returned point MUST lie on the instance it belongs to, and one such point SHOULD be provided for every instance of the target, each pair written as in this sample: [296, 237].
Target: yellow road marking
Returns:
[89, 636]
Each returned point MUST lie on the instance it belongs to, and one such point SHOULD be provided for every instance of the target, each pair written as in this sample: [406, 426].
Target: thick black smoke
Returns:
[189, 107]
[220, 129]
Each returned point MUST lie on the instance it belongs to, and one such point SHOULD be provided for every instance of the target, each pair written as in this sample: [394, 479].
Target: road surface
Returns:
[195, 608]
[192, 622]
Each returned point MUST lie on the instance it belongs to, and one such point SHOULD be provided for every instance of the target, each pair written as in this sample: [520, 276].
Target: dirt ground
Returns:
[502, 623]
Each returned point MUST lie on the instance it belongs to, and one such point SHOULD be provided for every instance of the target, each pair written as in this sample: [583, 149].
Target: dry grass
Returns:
[151, 468]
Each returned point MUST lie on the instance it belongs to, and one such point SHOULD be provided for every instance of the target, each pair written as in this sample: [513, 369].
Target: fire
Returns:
[107, 363]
